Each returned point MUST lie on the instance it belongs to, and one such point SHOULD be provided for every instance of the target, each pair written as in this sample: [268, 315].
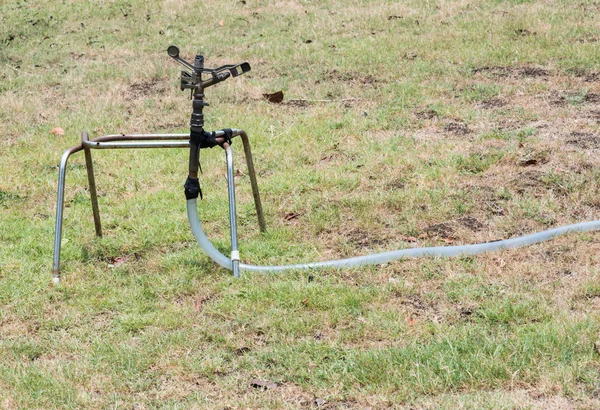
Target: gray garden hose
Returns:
[384, 257]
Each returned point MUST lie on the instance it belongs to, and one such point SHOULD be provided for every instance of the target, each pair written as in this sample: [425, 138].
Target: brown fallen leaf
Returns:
[57, 131]
[221, 23]
[276, 97]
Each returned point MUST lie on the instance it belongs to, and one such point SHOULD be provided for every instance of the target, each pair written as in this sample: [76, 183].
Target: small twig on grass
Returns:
[305, 101]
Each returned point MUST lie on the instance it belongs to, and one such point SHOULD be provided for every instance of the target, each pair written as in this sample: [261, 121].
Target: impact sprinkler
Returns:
[197, 78]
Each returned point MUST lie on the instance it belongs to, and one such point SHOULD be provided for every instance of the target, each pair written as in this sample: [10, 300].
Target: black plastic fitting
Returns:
[192, 188]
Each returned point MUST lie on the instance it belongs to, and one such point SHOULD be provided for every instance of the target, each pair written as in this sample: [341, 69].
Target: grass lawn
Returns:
[404, 124]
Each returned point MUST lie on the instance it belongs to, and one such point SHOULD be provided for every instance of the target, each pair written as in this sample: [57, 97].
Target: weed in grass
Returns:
[590, 290]
[476, 163]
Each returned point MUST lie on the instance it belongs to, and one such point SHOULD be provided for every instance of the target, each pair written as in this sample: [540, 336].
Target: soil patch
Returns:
[363, 238]
[457, 128]
[533, 158]
[584, 140]
[349, 77]
[489, 198]
[417, 304]
[502, 71]
[525, 181]
[148, 88]
[442, 229]
[399, 183]
[426, 114]
[470, 222]
[592, 98]
[562, 99]
[492, 103]
[585, 75]
[558, 100]
[595, 114]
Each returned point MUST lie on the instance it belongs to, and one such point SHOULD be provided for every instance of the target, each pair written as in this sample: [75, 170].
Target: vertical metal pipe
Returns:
[92, 182]
[235, 255]
[60, 199]
[250, 163]
[194, 160]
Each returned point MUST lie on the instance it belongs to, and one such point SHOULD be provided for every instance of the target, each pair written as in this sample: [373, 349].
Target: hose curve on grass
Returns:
[380, 258]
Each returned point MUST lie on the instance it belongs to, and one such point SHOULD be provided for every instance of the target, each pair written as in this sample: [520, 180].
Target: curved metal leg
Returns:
[59, 211]
[235, 254]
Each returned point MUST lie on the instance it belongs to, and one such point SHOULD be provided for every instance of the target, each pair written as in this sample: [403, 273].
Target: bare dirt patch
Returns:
[584, 140]
[508, 71]
[528, 181]
[457, 128]
[443, 229]
[492, 103]
[152, 87]
[398, 183]
[533, 158]
[594, 114]
[592, 98]
[416, 304]
[470, 222]
[426, 114]
[350, 77]
[490, 199]
[365, 239]
[561, 99]
[585, 75]
[558, 100]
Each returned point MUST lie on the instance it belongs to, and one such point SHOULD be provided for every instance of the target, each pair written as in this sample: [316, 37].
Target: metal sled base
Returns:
[123, 141]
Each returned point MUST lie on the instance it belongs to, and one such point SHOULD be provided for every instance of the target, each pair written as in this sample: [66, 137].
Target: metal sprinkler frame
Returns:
[197, 139]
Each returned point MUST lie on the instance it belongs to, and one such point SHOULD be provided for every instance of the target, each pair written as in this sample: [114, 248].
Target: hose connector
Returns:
[192, 188]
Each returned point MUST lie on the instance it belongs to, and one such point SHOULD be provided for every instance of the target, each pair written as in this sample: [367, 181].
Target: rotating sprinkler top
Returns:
[191, 79]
